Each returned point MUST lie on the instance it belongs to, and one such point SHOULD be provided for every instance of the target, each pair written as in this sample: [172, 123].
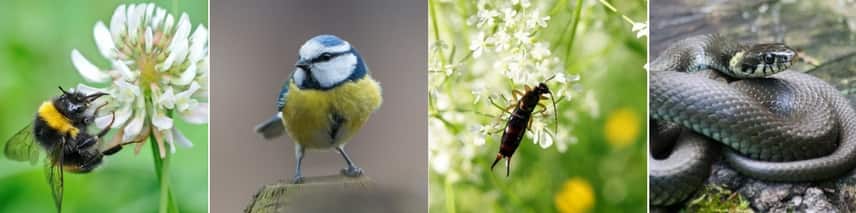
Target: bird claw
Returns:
[298, 179]
[352, 172]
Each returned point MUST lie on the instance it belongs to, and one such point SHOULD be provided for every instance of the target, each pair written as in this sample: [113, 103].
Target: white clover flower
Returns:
[159, 72]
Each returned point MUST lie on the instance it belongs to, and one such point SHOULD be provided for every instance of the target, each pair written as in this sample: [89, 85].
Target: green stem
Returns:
[450, 196]
[162, 169]
[573, 31]
[612, 8]
[433, 14]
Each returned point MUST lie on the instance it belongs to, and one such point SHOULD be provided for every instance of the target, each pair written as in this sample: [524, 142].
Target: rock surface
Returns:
[837, 195]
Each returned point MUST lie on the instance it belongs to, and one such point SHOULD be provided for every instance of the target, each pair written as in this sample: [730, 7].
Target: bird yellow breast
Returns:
[307, 114]
[55, 119]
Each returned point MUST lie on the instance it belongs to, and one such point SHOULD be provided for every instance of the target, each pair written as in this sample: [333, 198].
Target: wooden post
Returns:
[274, 198]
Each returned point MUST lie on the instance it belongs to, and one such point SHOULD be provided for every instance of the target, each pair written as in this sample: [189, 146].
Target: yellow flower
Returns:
[576, 196]
[622, 127]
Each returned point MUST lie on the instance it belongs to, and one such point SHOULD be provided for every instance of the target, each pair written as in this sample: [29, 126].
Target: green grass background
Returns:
[36, 39]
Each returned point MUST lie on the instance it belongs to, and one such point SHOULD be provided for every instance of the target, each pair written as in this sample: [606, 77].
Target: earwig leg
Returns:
[543, 108]
[517, 94]
[530, 125]
[496, 131]
[504, 109]
[527, 88]
[490, 99]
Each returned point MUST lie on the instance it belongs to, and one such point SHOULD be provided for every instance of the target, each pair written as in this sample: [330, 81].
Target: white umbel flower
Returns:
[159, 73]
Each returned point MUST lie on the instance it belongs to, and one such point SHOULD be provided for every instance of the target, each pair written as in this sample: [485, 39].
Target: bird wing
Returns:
[274, 127]
[271, 128]
[283, 96]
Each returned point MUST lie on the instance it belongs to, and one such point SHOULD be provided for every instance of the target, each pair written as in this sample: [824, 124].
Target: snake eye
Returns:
[769, 58]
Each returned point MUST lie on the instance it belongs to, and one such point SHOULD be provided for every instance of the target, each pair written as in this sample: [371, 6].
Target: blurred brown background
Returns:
[254, 45]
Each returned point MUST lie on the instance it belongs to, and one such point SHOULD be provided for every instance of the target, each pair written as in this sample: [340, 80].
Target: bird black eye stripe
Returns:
[327, 56]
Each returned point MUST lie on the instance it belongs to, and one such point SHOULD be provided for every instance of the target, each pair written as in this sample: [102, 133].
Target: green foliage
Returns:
[36, 39]
[717, 199]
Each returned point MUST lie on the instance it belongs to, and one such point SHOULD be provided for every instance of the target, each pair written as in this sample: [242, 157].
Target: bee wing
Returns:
[22, 146]
[54, 173]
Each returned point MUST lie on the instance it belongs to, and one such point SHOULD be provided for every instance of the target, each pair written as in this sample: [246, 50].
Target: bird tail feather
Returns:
[272, 128]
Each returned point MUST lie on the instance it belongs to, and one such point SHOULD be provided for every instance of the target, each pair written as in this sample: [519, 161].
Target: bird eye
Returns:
[325, 56]
[768, 58]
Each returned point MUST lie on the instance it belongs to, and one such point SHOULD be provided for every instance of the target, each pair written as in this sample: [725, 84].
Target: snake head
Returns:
[762, 60]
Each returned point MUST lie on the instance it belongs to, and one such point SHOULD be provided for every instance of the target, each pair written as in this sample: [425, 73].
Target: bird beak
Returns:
[302, 64]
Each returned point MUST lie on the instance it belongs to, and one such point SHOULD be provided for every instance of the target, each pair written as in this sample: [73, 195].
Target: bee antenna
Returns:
[63, 90]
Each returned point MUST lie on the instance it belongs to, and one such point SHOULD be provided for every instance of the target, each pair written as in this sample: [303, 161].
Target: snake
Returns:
[710, 94]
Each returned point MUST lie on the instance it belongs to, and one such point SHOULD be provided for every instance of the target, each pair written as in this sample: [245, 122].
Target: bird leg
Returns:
[352, 170]
[298, 154]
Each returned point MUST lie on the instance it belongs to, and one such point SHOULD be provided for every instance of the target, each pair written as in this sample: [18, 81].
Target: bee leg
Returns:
[298, 153]
[91, 118]
[86, 143]
[107, 128]
[112, 150]
[352, 170]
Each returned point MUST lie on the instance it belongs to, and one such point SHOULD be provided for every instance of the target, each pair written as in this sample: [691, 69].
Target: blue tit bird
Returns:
[328, 98]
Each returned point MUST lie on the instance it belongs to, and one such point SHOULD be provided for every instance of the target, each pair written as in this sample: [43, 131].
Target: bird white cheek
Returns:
[298, 76]
[334, 71]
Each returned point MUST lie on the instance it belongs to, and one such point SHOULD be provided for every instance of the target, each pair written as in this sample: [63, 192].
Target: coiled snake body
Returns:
[775, 125]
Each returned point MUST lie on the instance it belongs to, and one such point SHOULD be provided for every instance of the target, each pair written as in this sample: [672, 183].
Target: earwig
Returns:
[520, 119]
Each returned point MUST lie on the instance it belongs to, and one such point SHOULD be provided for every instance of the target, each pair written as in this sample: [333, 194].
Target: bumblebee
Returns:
[59, 130]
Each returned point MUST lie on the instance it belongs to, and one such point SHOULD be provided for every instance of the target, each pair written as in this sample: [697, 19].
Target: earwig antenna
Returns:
[555, 114]
[555, 110]
[550, 78]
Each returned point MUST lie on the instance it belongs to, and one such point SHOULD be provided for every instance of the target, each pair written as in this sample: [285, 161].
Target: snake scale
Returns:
[710, 94]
